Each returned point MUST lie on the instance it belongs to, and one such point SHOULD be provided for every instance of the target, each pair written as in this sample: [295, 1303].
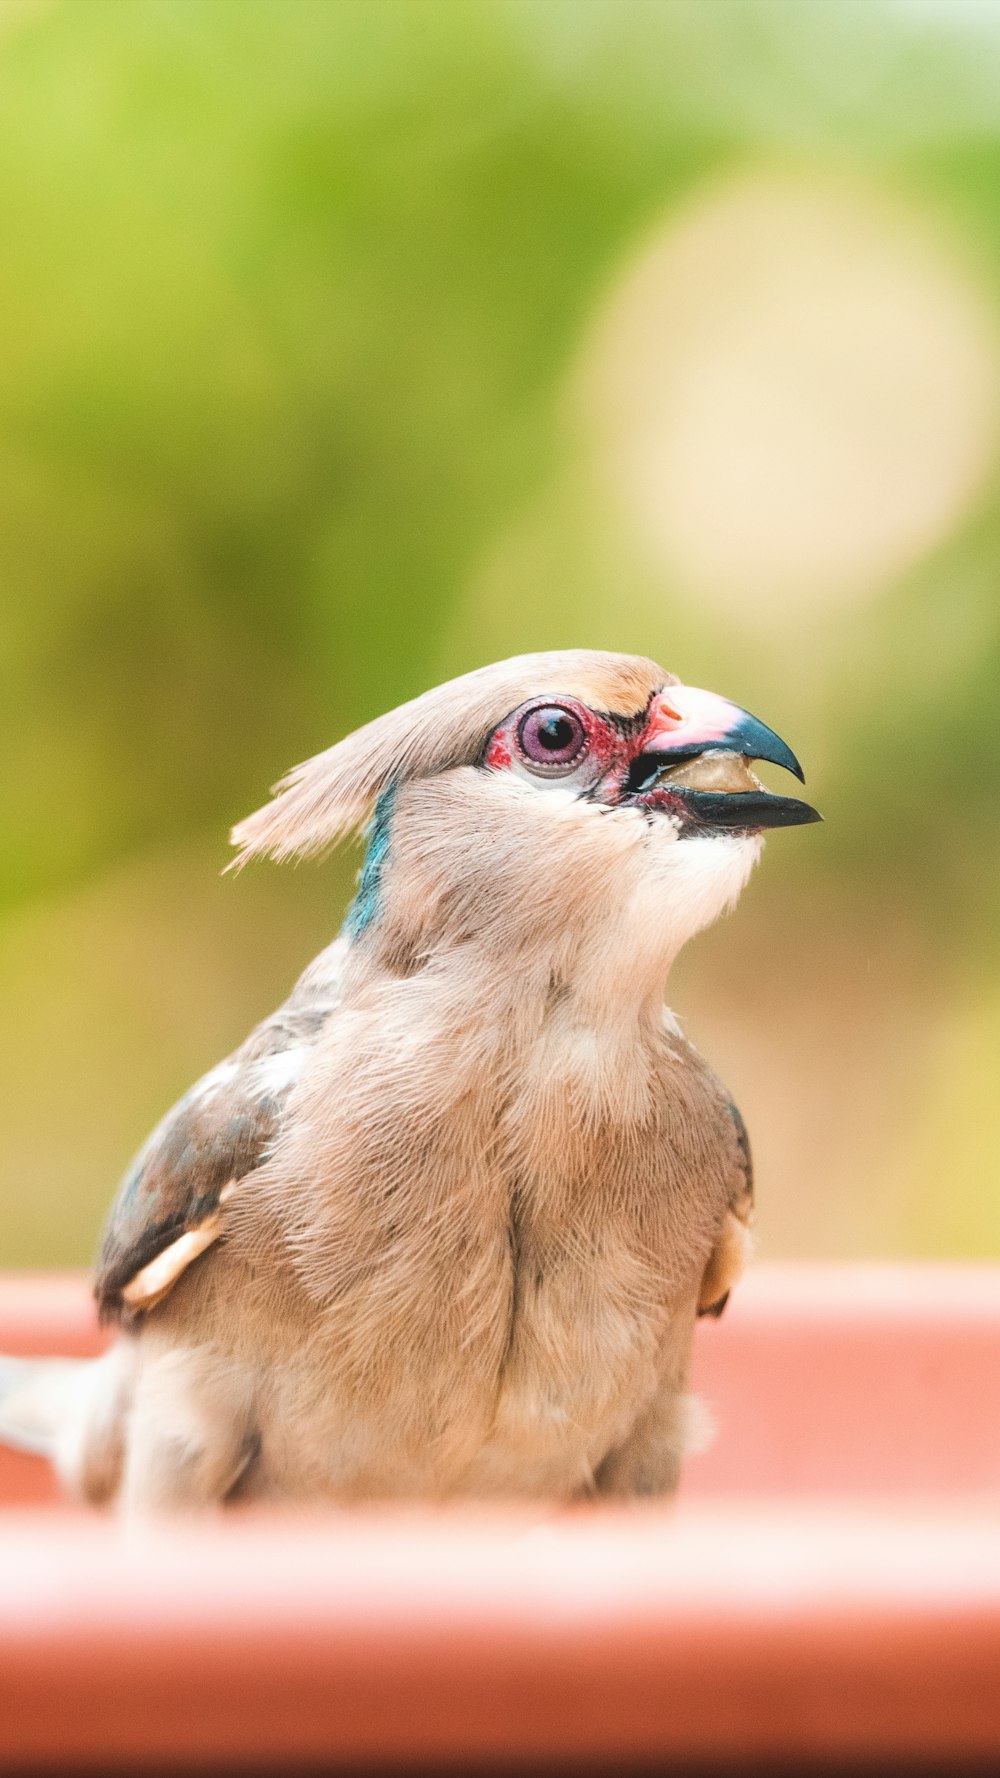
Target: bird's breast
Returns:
[488, 1243]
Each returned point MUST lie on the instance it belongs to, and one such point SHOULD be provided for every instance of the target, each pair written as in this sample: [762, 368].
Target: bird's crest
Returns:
[320, 802]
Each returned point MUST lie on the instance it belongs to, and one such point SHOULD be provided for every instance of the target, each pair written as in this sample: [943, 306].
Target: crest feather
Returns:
[327, 797]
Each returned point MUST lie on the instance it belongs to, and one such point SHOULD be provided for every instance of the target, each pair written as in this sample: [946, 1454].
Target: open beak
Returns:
[674, 767]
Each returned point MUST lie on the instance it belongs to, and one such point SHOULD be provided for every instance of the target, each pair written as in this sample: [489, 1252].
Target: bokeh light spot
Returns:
[794, 387]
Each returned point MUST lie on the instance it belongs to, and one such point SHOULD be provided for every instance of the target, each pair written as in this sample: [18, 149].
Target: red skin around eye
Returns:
[605, 746]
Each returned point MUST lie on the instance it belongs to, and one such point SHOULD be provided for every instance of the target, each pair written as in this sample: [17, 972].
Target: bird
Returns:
[441, 1227]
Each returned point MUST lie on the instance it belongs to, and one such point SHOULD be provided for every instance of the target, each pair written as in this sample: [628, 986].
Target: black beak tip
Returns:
[787, 811]
[755, 740]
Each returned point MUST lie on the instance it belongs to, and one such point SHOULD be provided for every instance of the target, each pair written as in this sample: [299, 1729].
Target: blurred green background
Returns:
[345, 346]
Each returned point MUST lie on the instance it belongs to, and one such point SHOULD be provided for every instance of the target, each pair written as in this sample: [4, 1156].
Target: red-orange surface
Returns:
[829, 1584]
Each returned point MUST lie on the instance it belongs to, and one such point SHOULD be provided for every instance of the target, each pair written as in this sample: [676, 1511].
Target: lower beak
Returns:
[687, 726]
[745, 811]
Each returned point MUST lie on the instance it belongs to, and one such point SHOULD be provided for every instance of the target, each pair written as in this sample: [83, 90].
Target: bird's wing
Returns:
[732, 1250]
[170, 1205]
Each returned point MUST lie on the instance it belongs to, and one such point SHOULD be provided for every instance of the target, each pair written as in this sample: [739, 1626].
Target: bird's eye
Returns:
[551, 738]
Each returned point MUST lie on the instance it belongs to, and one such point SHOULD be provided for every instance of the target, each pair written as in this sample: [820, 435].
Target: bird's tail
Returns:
[70, 1410]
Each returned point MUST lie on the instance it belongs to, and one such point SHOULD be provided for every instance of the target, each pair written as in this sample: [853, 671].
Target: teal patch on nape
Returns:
[367, 904]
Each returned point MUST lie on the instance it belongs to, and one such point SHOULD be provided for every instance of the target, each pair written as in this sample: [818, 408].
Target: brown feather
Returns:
[167, 1210]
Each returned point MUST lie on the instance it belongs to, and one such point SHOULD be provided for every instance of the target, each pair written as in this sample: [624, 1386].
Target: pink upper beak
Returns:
[684, 721]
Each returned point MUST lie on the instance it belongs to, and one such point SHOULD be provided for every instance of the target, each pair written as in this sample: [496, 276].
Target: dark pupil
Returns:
[556, 733]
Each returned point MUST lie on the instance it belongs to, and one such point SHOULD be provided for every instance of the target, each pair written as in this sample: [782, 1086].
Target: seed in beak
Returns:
[727, 772]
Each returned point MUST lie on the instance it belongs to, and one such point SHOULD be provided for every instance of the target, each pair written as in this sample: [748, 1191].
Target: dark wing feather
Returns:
[218, 1133]
[742, 1200]
[727, 1261]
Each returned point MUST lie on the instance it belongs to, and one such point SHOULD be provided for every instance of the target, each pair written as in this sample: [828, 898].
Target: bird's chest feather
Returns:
[602, 1247]
[489, 1245]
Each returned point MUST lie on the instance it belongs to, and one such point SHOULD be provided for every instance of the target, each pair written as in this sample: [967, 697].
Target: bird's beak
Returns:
[686, 725]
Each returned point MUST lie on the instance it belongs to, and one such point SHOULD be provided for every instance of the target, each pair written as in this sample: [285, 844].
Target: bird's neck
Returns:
[539, 897]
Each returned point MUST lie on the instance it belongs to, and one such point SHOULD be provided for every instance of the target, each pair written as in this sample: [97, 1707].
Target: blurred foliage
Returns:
[294, 299]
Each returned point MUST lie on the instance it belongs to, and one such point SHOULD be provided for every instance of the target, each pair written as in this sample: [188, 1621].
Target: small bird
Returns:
[440, 1228]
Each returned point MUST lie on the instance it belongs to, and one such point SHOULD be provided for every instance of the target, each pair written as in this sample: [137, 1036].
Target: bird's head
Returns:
[546, 798]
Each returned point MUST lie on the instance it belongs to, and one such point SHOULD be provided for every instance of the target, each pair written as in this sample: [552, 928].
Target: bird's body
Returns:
[442, 1226]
